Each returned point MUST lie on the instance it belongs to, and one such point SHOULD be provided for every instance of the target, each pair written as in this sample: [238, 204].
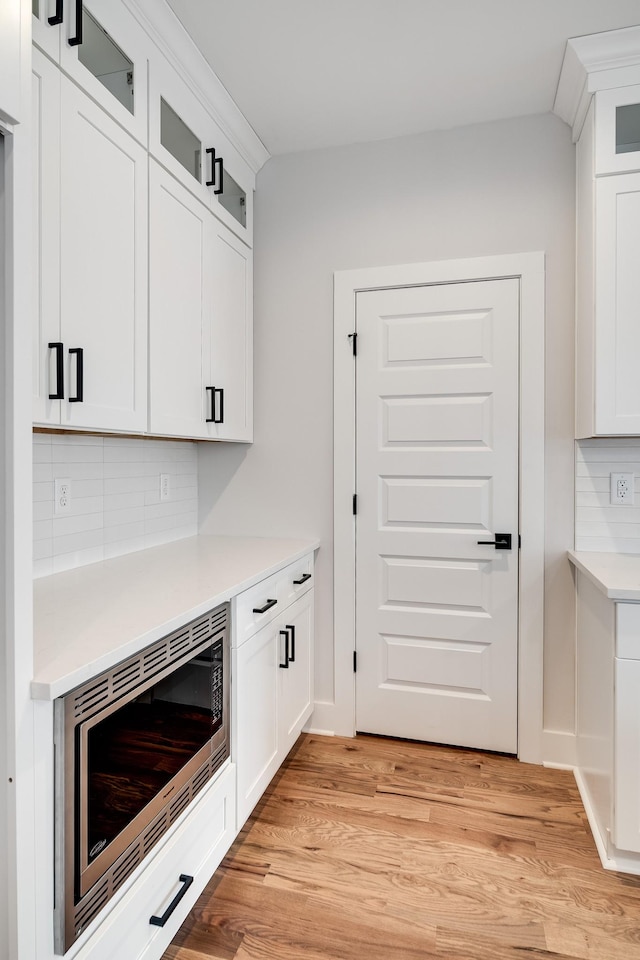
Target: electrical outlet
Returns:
[165, 486]
[62, 496]
[621, 489]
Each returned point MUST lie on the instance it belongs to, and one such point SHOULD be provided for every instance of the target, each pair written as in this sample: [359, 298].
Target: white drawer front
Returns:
[247, 620]
[195, 848]
[628, 631]
[295, 581]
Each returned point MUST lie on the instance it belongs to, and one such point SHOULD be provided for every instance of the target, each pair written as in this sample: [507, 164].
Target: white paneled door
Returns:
[437, 472]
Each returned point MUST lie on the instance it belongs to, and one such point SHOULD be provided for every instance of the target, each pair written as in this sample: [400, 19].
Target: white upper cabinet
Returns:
[90, 355]
[617, 120]
[101, 46]
[185, 139]
[11, 41]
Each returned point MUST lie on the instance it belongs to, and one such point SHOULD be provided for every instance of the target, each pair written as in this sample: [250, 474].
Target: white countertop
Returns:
[616, 574]
[88, 619]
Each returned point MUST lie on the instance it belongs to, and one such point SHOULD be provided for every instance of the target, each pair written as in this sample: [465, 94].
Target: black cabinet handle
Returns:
[217, 171]
[79, 397]
[57, 17]
[77, 40]
[303, 579]
[285, 634]
[186, 881]
[501, 542]
[267, 606]
[292, 656]
[216, 391]
[59, 391]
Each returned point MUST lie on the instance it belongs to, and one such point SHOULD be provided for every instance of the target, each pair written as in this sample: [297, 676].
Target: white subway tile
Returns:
[41, 452]
[130, 515]
[42, 530]
[116, 469]
[41, 439]
[121, 547]
[77, 453]
[78, 471]
[124, 531]
[121, 501]
[42, 510]
[123, 485]
[42, 568]
[77, 558]
[75, 542]
[64, 526]
[42, 549]
[42, 491]
[42, 472]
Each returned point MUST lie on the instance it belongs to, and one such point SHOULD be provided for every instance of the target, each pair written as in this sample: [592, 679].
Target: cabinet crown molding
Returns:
[169, 35]
[599, 61]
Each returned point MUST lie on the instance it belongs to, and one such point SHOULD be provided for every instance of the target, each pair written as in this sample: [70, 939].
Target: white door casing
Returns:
[335, 712]
[437, 472]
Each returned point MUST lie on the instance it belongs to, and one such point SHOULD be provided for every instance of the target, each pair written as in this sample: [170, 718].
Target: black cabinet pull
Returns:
[216, 391]
[77, 40]
[217, 171]
[57, 17]
[501, 542]
[79, 397]
[285, 634]
[267, 606]
[59, 391]
[292, 630]
[303, 579]
[186, 881]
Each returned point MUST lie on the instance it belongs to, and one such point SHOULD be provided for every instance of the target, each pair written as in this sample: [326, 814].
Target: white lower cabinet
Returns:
[272, 685]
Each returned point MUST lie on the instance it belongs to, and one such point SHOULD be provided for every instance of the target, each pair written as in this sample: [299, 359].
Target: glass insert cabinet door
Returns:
[617, 130]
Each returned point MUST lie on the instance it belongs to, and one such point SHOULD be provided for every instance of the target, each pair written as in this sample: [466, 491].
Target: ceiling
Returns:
[319, 73]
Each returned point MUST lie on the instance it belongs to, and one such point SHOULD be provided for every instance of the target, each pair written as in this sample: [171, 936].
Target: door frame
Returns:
[529, 270]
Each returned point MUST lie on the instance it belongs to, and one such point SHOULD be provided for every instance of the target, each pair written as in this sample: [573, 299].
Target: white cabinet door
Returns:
[627, 755]
[11, 40]
[617, 143]
[105, 51]
[228, 346]
[617, 341]
[296, 679]
[180, 306]
[103, 253]
[256, 685]
[46, 239]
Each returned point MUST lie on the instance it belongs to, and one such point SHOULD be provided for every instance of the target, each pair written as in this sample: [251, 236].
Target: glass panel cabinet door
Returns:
[47, 17]
[617, 124]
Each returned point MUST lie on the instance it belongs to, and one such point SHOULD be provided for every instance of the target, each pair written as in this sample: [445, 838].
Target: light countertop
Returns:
[88, 619]
[617, 575]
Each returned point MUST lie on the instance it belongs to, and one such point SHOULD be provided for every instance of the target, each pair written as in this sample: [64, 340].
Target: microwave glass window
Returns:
[628, 128]
[177, 138]
[106, 61]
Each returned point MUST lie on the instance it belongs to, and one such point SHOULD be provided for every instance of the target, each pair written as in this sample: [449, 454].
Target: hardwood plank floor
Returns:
[373, 849]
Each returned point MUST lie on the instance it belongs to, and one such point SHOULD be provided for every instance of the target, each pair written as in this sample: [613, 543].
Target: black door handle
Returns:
[79, 397]
[216, 391]
[501, 542]
[186, 881]
[77, 39]
[267, 606]
[212, 153]
[303, 579]
[57, 17]
[217, 171]
[292, 630]
[59, 391]
[285, 634]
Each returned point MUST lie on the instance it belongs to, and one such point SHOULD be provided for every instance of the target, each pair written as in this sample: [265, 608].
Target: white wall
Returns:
[600, 525]
[505, 187]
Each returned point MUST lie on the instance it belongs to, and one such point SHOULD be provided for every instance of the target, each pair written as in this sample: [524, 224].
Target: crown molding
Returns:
[169, 35]
[595, 62]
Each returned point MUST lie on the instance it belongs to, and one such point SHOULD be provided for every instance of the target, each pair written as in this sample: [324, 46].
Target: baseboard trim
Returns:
[559, 749]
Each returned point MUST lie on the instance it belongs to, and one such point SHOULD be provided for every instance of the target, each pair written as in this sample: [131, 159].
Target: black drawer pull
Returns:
[58, 394]
[57, 17]
[292, 656]
[79, 397]
[285, 634]
[303, 579]
[160, 921]
[77, 40]
[267, 606]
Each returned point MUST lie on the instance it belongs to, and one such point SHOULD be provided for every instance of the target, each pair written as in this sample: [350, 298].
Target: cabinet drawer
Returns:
[295, 581]
[628, 631]
[195, 848]
[247, 620]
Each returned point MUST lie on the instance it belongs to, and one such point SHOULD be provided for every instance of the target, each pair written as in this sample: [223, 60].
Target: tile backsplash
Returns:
[601, 525]
[115, 497]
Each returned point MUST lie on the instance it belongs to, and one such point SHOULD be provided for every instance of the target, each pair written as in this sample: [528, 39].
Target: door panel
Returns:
[437, 471]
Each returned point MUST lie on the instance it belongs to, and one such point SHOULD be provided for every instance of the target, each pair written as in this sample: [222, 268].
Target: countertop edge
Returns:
[46, 687]
[585, 564]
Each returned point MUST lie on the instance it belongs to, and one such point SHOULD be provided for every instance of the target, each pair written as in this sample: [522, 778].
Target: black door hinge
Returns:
[354, 343]
[355, 660]
[355, 504]
[519, 541]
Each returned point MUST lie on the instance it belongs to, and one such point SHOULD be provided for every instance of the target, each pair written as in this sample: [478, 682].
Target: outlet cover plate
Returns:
[621, 488]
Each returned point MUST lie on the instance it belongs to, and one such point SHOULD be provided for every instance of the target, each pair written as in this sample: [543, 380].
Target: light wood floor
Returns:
[372, 849]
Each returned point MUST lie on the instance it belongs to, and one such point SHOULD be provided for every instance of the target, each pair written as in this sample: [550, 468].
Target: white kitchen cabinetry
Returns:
[200, 319]
[608, 723]
[101, 46]
[91, 203]
[11, 42]
[185, 139]
[617, 146]
[273, 671]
